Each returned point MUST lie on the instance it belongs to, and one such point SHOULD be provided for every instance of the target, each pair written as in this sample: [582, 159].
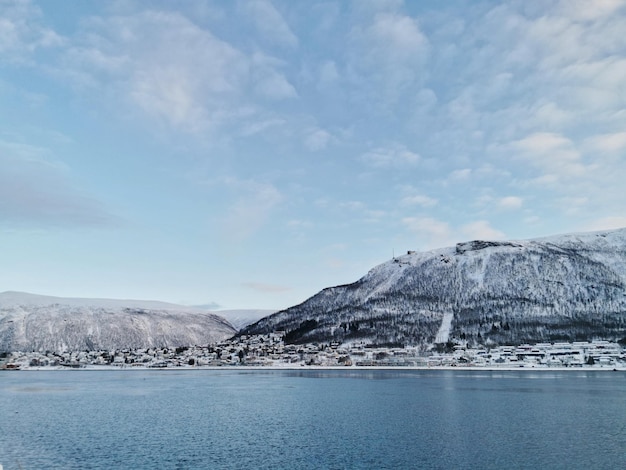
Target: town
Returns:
[270, 351]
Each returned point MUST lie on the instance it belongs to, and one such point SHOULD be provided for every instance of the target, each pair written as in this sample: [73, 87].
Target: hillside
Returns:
[560, 288]
[31, 322]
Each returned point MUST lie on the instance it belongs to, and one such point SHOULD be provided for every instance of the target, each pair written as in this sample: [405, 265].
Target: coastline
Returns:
[244, 368]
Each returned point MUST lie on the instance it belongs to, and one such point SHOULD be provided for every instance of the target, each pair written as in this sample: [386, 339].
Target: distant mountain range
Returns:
[243, 317]
[30, 322]
[561, 288]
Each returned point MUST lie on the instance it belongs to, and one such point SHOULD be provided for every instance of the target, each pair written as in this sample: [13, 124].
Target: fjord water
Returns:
[312, 419]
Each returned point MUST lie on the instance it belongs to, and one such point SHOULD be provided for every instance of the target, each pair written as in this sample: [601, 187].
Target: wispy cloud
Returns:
[38, 191]
[481, 229]
[22, 32]
[392, 50]
[317, 139]
[252, 207]
[433, 233]
[606, 223]
[429, 232]
[390, 157]
[419, 200]
[269, 22]
[162, 65]
[265, 288]
[510, 203]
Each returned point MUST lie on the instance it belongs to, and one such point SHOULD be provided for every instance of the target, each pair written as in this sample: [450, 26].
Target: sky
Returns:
[248, 154]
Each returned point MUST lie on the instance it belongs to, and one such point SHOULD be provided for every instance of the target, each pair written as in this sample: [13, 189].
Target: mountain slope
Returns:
[567, 287]
[30, 322]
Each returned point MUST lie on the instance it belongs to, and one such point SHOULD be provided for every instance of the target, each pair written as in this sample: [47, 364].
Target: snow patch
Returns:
[444, 330]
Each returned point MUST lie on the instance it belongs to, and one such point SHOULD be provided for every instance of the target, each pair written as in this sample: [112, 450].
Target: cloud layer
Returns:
[299, 126]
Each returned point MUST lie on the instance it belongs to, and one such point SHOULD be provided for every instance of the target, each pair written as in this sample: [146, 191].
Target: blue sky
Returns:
[247, 154]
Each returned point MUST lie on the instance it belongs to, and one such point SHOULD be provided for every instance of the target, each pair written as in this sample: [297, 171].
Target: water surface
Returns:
[312, 419]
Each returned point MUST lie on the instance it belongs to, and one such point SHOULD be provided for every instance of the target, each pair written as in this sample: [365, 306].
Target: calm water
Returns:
[312, 419]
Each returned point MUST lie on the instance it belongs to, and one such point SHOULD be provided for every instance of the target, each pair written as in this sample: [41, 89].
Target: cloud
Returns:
[268, 81]
[461, 174]
[434, 233]
[607, 143]
[606, 223]
[481, 230]
[352, 205]
[552, 153]
[37, 191]
[419, 200]
[390, 157]
[328, 73]
[22, 33]
[389, 51]
[317, 139]
[510, 203]
[269, 22]
[572, 205]
[251, 210]
[162, 65]
[399, 33]
[430, 232]
[265, 288]
[584, 10]
[260, 126]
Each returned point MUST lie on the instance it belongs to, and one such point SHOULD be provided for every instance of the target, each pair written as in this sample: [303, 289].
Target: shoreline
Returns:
[325, 368]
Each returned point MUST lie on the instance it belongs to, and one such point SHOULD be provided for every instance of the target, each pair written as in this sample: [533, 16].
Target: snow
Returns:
[39, 323]
[566, 286]
[444, 330]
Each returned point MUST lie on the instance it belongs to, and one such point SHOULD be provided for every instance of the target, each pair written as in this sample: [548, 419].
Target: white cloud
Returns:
[38, 191]
[400, 34]
[253, 207]
[328, 73]
[573, 205]
[510, 203]
[481, 229]
[390, 157]
[265, 288]
[419, 200]
[606, 143]
[298, 224]
[585, 10]
[269, 22]
[22, 33]
[430, 232]
[260, 126]
[268, 81]
[388, 56]
[352, 205]
[607, 223]
[461, 174]
[552, 153]
[164, 65]
[317, 139]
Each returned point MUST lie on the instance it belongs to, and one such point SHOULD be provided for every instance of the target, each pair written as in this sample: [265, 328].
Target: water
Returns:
[312, 419]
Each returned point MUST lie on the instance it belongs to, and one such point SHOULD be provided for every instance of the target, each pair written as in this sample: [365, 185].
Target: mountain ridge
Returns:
[31, 322]
[561, 287]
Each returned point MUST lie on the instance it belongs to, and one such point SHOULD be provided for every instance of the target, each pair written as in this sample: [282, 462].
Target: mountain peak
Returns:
[563, 287]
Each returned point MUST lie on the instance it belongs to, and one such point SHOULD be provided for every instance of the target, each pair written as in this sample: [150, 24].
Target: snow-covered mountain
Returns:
[561, 288]
[30, 322]
[244, 317]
